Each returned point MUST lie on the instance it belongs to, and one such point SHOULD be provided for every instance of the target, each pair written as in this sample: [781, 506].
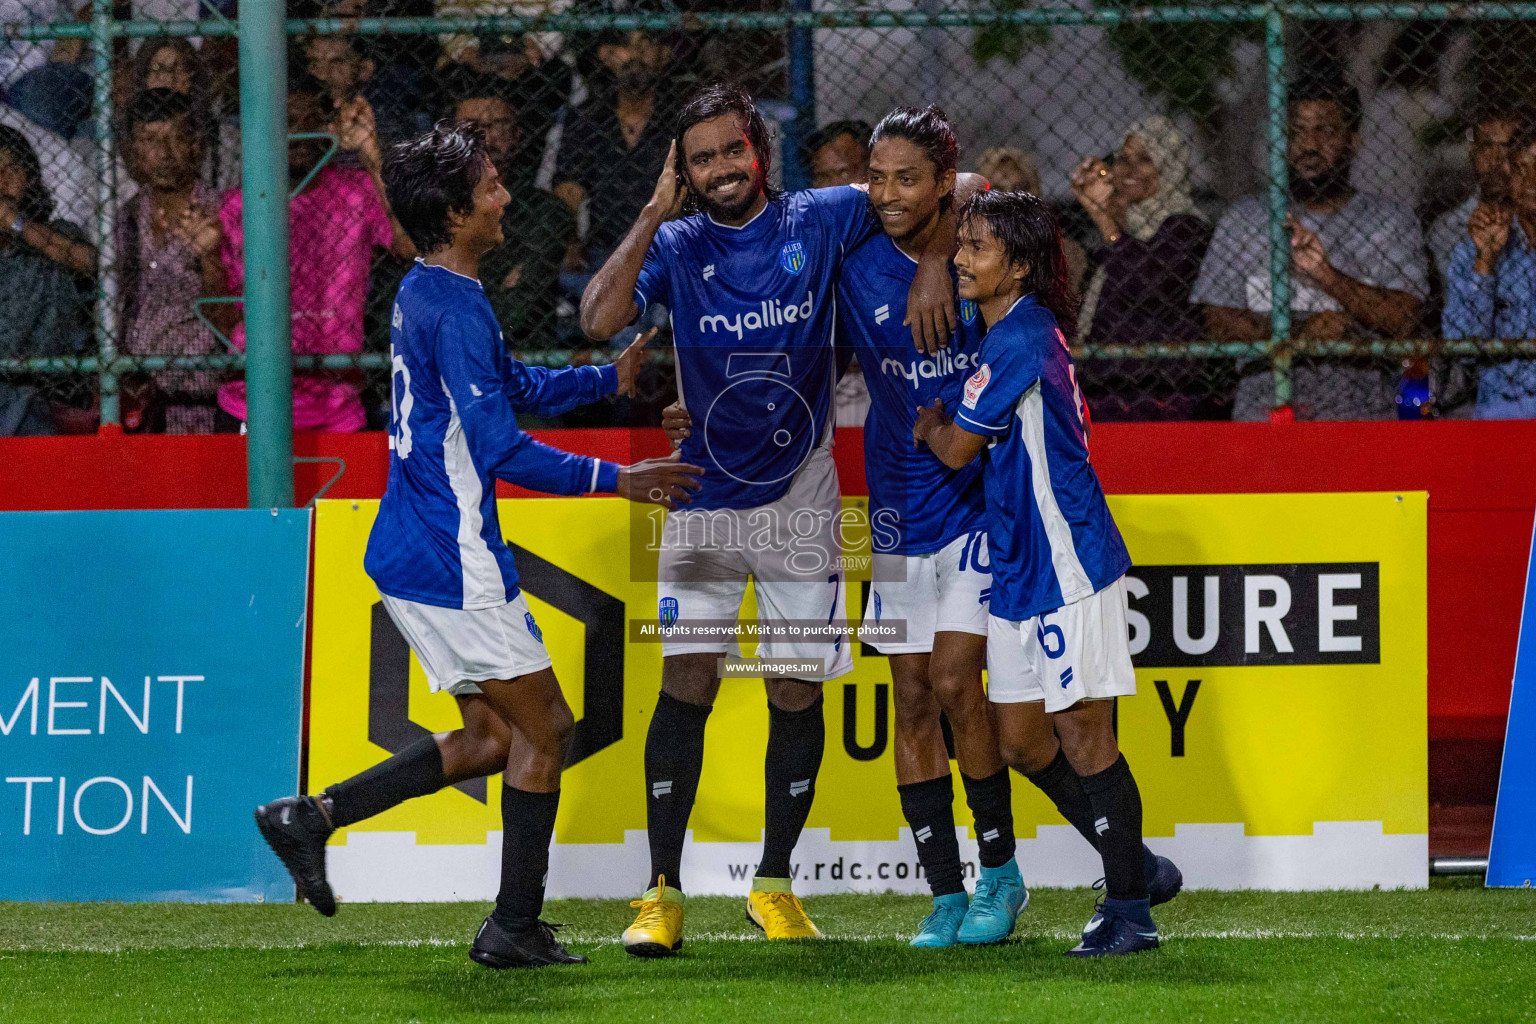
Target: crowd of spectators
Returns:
[579, 139]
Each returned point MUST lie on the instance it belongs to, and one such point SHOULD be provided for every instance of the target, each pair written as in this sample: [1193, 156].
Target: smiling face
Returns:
[904, 189]
[982, 264]
[480, 228]
[723, 169]
[1135, 174]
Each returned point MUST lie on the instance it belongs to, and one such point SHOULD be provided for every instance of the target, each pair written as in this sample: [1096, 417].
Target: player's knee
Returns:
[490, 752]
[956, 688]
[1027, 752]
[1089, 751]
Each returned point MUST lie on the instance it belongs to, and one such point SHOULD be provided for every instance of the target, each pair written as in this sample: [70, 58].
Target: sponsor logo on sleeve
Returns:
[976, 385]
[668, 612]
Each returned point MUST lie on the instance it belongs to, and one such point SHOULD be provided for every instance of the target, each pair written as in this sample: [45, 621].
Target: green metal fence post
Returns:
[1279, 206]
[106, 202]
[264, 180]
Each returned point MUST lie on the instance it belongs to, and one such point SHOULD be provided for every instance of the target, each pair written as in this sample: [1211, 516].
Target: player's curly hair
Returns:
[929, 130]
[717, 101]
[1031, 237]
[430, 176]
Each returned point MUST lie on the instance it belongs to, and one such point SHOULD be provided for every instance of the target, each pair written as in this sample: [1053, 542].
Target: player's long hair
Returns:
[1031, 236]
[717, 101]
[929, 130]
[430, 176]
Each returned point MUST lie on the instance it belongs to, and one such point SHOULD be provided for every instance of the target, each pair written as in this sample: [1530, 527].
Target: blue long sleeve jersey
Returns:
[452, 432]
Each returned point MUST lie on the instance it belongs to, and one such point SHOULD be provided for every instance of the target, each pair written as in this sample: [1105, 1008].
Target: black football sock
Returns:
[990, 800]
[674, 758]
[1117, 820]
[929, 810]
[527, 825]
[1058, 781]
[415, 771]
[795, 743]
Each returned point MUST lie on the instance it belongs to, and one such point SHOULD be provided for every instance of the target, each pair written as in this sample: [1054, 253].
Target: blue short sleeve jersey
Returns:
[917, 504]
[1049, 530]
[452, 432]
[752, 324]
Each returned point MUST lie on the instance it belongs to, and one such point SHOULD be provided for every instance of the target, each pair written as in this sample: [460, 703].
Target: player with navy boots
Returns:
[438, 557]
[1057, 641]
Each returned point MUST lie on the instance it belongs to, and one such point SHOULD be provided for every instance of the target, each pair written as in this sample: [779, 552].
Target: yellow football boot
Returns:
[777, 911]
[658, 929]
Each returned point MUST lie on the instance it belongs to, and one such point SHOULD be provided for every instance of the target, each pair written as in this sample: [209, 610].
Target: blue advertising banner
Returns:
[151, 689]
[1512, 855]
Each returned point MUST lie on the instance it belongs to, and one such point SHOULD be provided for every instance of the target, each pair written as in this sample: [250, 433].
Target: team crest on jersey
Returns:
[877, 607]
[533, 627]
[668, 612]
[976, 385]
[792, 257]
[968, 310]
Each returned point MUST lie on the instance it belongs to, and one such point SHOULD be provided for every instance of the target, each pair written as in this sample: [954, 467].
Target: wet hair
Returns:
[827, 134]
[149, 106]
[1327, 87]
[718, 101]
[431, 176]
[1030, 235]
[36, 201]
[929, 130]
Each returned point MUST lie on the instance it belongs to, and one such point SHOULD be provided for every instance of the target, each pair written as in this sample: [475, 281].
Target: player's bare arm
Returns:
[608, 303]
[931, 300]
[954, 445]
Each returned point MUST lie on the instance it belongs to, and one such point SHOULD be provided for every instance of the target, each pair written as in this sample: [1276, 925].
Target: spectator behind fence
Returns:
[346, 66]
[1490, 291]
[613, 146]
[1010, 169]
[1490, 141]
[41, 303]
[163, 265]
[1358, 268]
[1153, 240]
[171, 62]
[521, 276]
[837, 154]
[334, 224]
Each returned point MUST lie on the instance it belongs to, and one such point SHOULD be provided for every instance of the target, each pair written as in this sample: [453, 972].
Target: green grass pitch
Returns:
[1454, 953]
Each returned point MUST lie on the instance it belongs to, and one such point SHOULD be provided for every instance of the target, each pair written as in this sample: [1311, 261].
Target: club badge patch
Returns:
[667, 613]
[533, 627]
[792, 257]
[976, 385]
[968, 311]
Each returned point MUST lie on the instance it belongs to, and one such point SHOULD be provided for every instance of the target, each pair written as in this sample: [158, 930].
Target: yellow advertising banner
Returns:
[1278, 732]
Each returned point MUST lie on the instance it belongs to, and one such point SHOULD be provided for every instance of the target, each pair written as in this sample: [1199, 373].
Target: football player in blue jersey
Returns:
[749, 279]
[931, 570]
[1057, 642]
[437, 555]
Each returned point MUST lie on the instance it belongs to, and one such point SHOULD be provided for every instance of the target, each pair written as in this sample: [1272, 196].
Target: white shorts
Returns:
[1080, 652]
[789, 549]
[459, 648]
[942, 592]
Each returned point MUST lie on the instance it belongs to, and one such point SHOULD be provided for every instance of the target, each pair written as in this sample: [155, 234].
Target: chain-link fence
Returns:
[1312, 208]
